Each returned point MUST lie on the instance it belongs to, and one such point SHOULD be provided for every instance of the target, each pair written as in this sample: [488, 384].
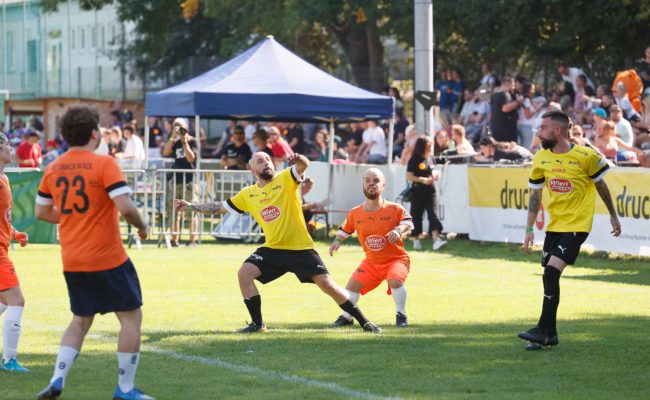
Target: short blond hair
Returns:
[458, 129]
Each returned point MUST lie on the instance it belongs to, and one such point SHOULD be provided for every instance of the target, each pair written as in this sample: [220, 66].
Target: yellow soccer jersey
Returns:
[277, 208]
[570, 179]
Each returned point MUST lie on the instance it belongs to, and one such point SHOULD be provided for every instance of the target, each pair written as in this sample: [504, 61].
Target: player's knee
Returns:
[82, 323]
[326, 283]
[248, 272]
[395, 284]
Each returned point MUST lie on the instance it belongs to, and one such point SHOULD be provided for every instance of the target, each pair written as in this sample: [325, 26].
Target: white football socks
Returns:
[3, 307]
[399, 296]
[64, 360]
[354, 299]
[11, 332]
[128, 364]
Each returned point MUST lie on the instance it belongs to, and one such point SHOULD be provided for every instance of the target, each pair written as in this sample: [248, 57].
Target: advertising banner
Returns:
[498, 204]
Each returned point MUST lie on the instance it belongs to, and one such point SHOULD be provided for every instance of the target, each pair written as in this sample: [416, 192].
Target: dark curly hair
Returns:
[78, 123]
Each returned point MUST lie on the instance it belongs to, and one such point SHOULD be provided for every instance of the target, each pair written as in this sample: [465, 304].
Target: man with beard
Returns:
[274, 202]
[572, 174]
[380, 226]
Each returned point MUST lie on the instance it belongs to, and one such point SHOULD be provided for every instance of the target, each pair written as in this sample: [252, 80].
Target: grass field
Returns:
[466, 304]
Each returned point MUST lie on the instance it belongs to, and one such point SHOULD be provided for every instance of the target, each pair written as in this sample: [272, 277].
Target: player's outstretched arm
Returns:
[301, 162]
[605, 195]
[206, 208]
[533, 208]
[336, 244]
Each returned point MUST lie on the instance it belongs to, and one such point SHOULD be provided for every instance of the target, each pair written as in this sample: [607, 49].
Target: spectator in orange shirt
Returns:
[29, 153]
[380, 226]
[83, 193]
[11, 297]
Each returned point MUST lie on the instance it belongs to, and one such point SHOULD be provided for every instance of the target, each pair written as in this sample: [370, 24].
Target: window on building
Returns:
[113, 41]
[82, 38]
[11, 55]
[93, 37]
[102, 37]
[32, 62]
[73, 39]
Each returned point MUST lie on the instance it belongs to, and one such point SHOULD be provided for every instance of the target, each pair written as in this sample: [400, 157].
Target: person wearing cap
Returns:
[599, 115]
[29, 153]
[182, 147]
[623, 127]
[51, 151]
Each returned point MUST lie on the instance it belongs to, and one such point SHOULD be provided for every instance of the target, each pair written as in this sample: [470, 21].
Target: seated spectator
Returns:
[399, 135]
[51, 152]
[261, 141]
[491, 150]
[354, 139]
[577, 136]
[320, 144]
[623, 127]
[463, 146]
[295, 136]
[599, 116]
[236, 154]
[441, 143]
[474, 115]
[102, 149]
[280, 148]
[373, 150]
[612, 147]
[225, 137]
[308, 207]
[29, 153]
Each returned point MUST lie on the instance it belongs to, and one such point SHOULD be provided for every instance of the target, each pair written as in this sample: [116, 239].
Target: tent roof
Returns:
[268, 82]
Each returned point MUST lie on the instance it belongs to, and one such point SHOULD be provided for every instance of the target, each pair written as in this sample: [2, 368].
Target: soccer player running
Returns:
[380, 226]
[274, 202]
[572, 174]
[83, 192]
[12, 301]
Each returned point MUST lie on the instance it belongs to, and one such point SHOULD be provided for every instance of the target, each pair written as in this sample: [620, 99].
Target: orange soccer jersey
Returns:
[372, 227]
[81, 185]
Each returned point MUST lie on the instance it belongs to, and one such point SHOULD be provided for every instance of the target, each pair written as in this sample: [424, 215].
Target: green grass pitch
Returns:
[466, 304]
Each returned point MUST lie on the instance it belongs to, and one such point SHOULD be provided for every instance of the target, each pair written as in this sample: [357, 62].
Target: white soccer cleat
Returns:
[438, 243]
[417, 245]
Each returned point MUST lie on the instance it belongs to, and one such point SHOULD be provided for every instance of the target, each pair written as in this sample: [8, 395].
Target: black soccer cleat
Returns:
[543, 337]
[52, 391]
[342, 321]
[370, 327]
[253, 328]
[401, 320]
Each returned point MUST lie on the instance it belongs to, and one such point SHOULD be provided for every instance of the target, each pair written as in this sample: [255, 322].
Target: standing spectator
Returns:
[399, 136]
[116, 144]
[17, 131]
[2, 128]
[419, 172]
[29, 153]
[476, 116]
[488, 80]
[644, 71]
[225, 137]
[373, 149]
[457, 90]
[280, 148]
[445, 87]
[399, 103]
[526, 116]
[116, 119]
[409, 144]
[102, 148]
[571, 74]
[236, 154]
[504, 112]
[622, 99]
[623, 127]
[354, 139]
[295, 136]
[539, 105]
[182, 148]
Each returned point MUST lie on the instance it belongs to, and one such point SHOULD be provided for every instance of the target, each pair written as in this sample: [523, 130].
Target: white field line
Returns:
[243, 369]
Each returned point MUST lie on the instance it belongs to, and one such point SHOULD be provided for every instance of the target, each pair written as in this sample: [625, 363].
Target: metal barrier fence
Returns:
[155, 190]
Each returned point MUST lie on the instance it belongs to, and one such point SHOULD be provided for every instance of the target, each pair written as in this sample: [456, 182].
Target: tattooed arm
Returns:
[603, 192]
[207, 208]
[533, 208]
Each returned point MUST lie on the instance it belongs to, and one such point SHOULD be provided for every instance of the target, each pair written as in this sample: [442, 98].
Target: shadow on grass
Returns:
[604, 357]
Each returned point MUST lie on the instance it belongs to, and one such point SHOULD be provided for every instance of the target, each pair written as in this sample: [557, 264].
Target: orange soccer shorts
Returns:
[8, 277]
[370, 275]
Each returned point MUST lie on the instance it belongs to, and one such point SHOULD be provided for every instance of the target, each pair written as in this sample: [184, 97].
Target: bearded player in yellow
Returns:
[573, 174]
[274, 202]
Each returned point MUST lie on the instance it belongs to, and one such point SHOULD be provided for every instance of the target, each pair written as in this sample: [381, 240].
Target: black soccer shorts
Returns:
[274, 263]
[563, 245]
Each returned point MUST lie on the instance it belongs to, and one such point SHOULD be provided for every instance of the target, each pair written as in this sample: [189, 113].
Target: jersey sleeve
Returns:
[347, 227]
[44, 196]
[237, 205]
[596, 166]
[405, 218]
[113, 179]
[536, 179]
[291, 177]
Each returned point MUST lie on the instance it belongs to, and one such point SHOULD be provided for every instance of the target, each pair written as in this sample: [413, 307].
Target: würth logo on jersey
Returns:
[270, 213]
[375, 242]
[558, 185]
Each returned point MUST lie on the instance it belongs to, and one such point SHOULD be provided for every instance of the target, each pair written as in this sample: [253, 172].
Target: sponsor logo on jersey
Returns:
[375, 242]
[559, 185]
[270, 213]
